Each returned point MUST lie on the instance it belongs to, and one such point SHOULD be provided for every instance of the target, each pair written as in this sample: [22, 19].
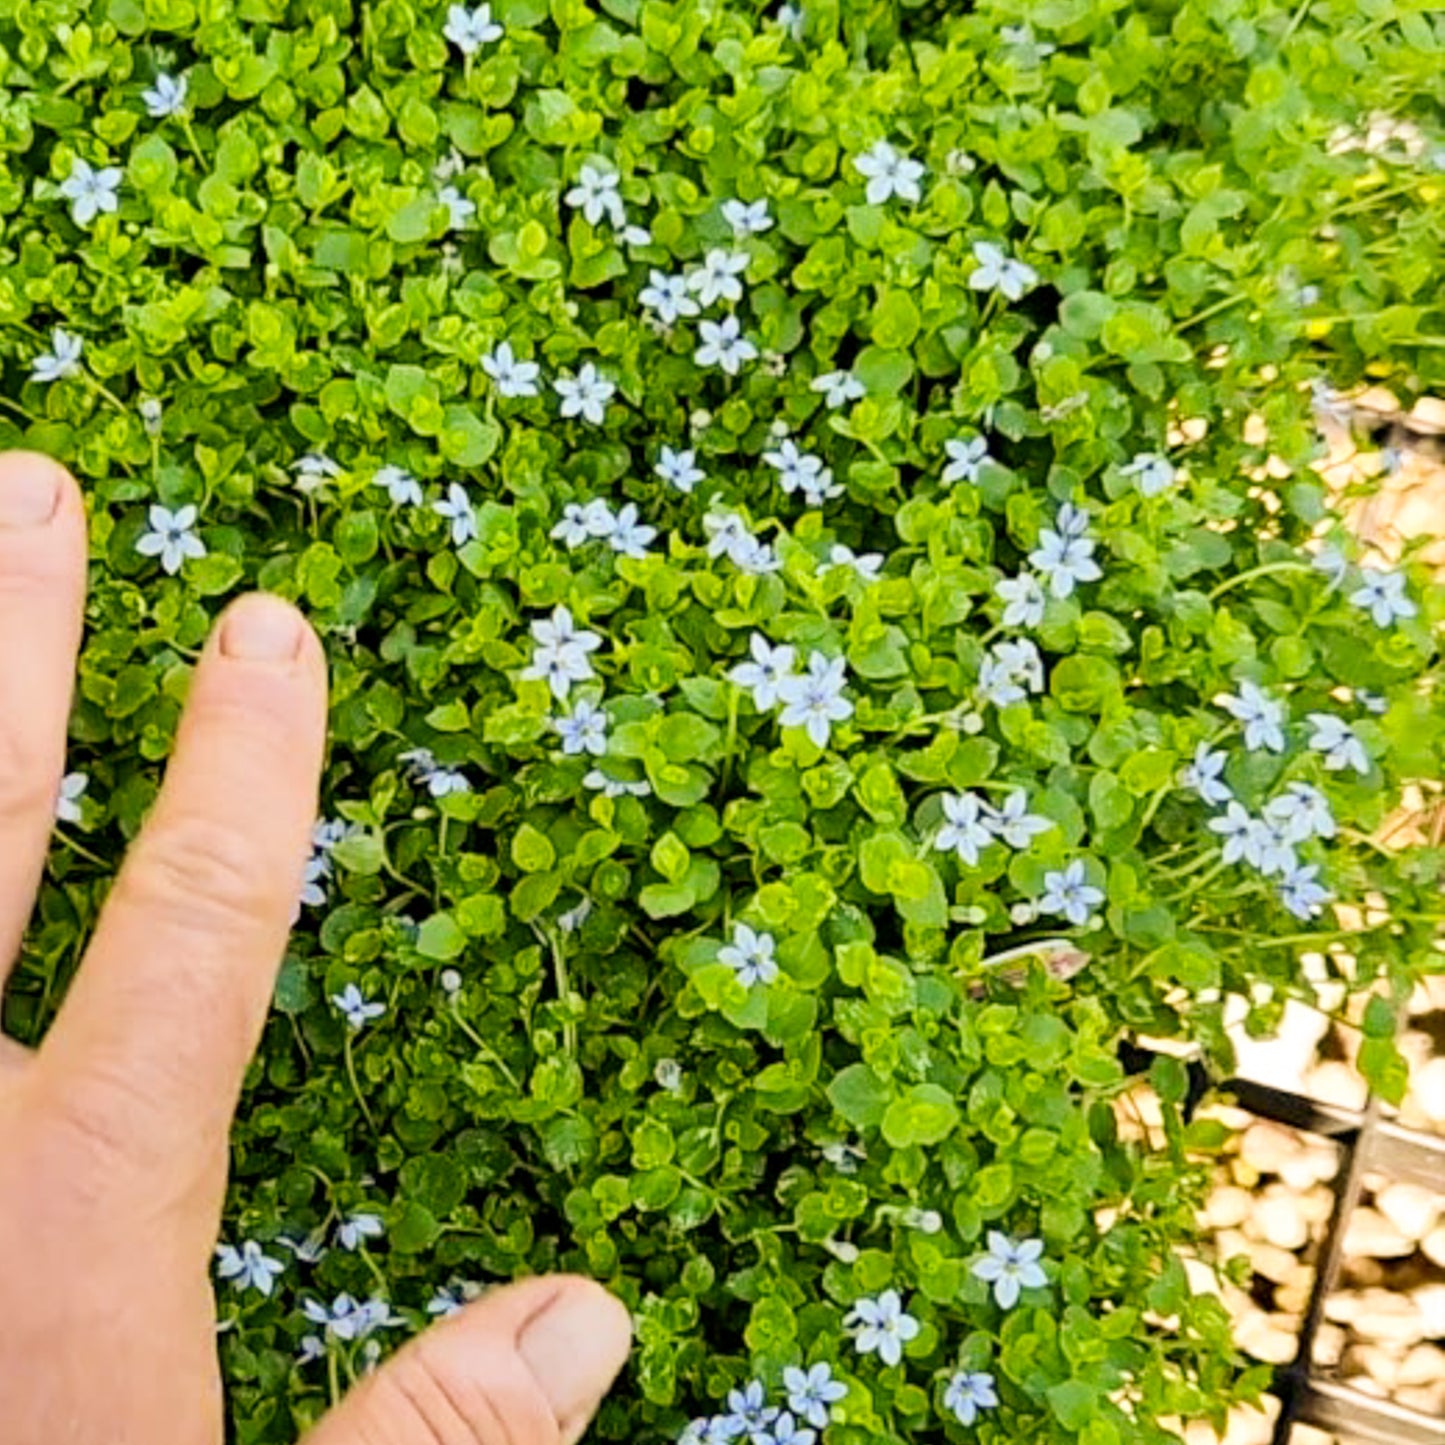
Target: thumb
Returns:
[525, 1365]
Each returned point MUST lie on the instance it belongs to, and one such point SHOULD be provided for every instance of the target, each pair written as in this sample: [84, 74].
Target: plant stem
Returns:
[192, 142]
[355, 1086]
[485, 1049]
[82, 850]
[1202, 881]
[564, 993]
[1212, 310]
[730, 743]
[1295, 21]
[1160, 794]
[1263, 570]
[101, 389]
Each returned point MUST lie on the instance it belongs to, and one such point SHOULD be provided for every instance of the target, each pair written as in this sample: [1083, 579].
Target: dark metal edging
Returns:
[1370, 1145]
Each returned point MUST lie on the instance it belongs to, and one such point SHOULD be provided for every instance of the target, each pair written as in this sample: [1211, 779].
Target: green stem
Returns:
[485, 1049]
[1160, 794]
[1212, 310]
[1364, 839]
[82, 850]
[101, 389]
[564, 993]
[355, 1086]
[1366, 202]
[1192, 866]
[1295, 21]
[1263, 570]
[1202, 882]
[333, 1383]
[192, 142]
[729, 745]
[1288, 940]
[376, 1271]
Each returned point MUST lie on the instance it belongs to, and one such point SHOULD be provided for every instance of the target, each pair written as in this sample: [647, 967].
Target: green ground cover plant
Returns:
[833, 627]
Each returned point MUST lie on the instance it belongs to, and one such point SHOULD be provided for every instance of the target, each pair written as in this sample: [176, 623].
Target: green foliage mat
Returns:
[634, 944]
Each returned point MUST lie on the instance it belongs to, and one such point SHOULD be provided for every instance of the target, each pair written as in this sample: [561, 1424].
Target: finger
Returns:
[149, 1051]
[525, 1365]
[42, 587]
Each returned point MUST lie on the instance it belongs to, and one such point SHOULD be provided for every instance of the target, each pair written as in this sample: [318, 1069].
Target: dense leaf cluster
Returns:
[1134, 242]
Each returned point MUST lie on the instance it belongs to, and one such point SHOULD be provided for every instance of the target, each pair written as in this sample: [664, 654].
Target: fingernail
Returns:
[28, 497]
[575, 1348]
[261, 629]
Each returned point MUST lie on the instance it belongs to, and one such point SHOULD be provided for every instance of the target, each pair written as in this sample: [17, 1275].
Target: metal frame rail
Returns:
[1369, 1144]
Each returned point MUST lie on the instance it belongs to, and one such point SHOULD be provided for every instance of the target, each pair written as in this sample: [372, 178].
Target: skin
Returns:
[113, 1133]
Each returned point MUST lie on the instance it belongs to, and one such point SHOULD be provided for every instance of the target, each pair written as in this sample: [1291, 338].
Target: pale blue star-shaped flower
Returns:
[355, 1007]
[585, 395]
[966, 831]
[1068, 892]
[1301, 812]
[1011, 671]
[460, 208]
[583, 730]
[747, 218]
[669, 296]
[62, 360]
[629, 535]
[866, 567]
[561, 654]
[813, 700]
[171, 537]
[1151, 473]
[1236, 828]
[717, 278]
[967, 1394]
[1301, 892]
[354, 1230]
[167, 97]
[91, 192]
[785, 1430]
[1382, 595]
[511, 376]
[750, 1413]
[723, 344]
[889, 173]
[813, 1392]
[1012, 822]
[1336, 739]
[795, 468]
[1011, 1267]
[966, 459]
[838, 388]
[1205, 775]
[457, 508]
[1333, 564]
[403, 488]
[1263, 716]
[249, 1267]
[750, 956]
[1023, 598]
[469, 30]
[881, 1326]
[997, 271]
[679, 468]
[763, 674]
[1065, 561]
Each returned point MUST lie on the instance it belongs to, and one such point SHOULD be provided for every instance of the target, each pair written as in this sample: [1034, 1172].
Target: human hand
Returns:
[113, 1134]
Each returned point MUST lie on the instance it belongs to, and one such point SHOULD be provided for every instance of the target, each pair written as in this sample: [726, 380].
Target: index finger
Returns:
[150, 1049]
